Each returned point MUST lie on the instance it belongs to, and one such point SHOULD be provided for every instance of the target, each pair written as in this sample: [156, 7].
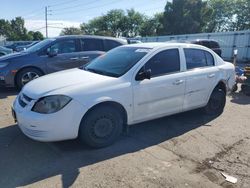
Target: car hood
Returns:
[64, 81]
[12, 56]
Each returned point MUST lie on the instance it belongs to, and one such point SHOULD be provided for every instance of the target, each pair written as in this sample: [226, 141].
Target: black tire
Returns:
[101, 126]
[216, 103]
[235, 88]
[20, 75]
[245, 89]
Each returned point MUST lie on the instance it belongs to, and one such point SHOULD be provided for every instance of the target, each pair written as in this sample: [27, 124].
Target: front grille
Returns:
[27, 98]
[24, 100]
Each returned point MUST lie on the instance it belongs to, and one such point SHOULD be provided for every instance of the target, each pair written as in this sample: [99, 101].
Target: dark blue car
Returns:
[51, 55]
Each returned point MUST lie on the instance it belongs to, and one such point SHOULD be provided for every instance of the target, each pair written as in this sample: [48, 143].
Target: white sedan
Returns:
[127, 85]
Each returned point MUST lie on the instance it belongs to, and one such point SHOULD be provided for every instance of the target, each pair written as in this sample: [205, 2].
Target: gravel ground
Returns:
[184, 150]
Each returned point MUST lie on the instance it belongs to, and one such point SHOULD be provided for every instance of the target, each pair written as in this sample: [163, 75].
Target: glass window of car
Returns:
[65, 46]
[209, 59]
[214, 44]
[117, 61]
[167, 61]
[196, 58]
[110, 44]
[92, 44]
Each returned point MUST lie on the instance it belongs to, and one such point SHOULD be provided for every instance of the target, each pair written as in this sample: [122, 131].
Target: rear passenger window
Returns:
[167, 61]
[196, 58]
[214, 44]
[110, 44]
[92, 44]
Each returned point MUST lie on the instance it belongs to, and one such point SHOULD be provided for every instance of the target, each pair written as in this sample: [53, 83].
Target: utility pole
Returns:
[46, 21]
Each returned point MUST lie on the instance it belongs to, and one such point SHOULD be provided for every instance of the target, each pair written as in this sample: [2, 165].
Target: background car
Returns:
[24, 47]
[212, 44]
[5, 51]
[15, 45]
[51, 55]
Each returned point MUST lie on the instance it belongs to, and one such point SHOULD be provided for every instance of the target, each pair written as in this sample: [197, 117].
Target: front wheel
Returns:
[101, 126]
[216, 103]
[26, 75]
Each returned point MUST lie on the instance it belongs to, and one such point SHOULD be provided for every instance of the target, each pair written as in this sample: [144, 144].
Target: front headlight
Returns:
[51, 104]
[2, 65]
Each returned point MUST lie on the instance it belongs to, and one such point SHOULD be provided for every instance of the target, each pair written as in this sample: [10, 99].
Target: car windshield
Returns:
[39, 45]
[117, 62]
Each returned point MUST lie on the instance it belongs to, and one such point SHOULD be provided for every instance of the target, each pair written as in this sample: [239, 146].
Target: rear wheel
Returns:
[216, 103]
[101, 126]
[26, 75]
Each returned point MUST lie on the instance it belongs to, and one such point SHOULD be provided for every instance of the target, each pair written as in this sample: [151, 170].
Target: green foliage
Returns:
[184, 16]
[14, 30]
[71, 31]
[116, 23]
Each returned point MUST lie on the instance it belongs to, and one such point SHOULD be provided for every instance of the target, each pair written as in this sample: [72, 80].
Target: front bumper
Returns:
[7, 79]
[62, 125]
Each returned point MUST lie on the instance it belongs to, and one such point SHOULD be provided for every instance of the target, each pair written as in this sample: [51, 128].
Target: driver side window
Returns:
[61, 47]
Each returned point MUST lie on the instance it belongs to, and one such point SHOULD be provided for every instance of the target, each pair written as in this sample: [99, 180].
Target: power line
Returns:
[94, 7]
[70, 7]
[63, 3]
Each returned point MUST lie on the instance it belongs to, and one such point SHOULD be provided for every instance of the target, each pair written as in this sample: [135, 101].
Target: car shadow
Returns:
[24, 161]
[6, 92]
[240, 98]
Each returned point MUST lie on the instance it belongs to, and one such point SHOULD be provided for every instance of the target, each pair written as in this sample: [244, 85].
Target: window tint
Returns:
[92, 44]
[209, 59]
[164, 62]
[66, 46]
[110, 44]
[205, 43]
[196, 58]
[214, 44]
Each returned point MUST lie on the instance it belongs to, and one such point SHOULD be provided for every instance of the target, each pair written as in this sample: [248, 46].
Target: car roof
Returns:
[164, 44]
[89, 36]
[205, 40]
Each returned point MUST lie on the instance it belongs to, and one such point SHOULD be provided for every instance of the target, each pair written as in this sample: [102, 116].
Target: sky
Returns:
[67, 13]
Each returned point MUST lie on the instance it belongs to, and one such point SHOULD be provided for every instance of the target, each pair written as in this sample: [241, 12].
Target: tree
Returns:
[71, 31]
[152, 26]
[184, 16]
[15, 30]
[37, 35]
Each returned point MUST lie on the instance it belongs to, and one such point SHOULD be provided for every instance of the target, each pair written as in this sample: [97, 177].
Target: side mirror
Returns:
[143, 74]
[51, 52]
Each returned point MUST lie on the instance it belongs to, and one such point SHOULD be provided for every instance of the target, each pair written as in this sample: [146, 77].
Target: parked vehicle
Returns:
[212, 44]
[25, 47]
[51, 55]
[15, 45]
[5, 51]
[128, 85]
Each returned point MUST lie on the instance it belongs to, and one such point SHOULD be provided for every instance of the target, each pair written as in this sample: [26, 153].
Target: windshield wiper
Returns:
[100, 72]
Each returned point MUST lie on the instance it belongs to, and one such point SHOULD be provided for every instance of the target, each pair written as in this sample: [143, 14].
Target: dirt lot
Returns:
[185, 150]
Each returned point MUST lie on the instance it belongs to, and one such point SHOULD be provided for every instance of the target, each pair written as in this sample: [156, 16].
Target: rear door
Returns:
[91, 48]
[67, 56]
[201, 77]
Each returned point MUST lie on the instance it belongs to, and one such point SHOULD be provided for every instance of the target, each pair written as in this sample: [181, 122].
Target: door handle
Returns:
[211, 75]
[74, 58]
[178, 82]
[85, 57]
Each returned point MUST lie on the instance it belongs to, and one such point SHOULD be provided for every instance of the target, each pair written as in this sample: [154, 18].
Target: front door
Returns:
[162, 94]
[67, 56]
